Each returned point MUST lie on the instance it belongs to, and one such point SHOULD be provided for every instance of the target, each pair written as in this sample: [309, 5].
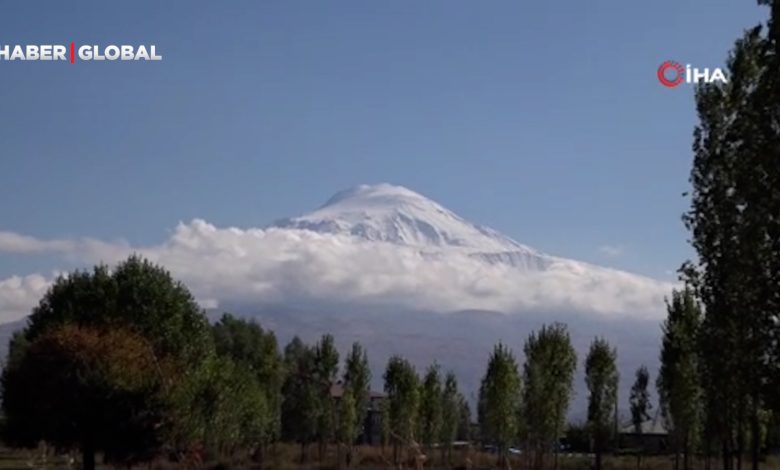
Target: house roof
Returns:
[654, 425]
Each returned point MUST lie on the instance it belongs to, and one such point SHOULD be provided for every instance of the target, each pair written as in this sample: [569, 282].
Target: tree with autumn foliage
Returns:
[90, 389]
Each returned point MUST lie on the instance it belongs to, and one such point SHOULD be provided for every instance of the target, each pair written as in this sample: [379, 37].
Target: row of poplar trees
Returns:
[416, 413]
[124, 364]
[723, 360]
[529, 407]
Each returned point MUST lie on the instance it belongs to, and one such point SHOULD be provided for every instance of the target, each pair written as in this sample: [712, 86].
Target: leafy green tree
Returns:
[384, 416]
[301, 395]
[222, 408]
[347, 423]
[251, 347]
[326, 365]
[136, 294]
[402, 387]
[601, 377]
[451, 410]
[548, 376]
[734, 199]
[430, 407]
[639, 403]
[464, 425]
[87, 389]
[500, 400]
[678, 382]
[357, 381]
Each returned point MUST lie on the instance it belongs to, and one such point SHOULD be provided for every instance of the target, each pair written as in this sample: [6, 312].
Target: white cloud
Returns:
[612, 251]
[11, 242]
[18, 294]
[281, 265]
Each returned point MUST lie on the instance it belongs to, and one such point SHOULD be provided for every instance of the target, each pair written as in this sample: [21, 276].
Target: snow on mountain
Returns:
[386, 214]
[385, 266]
[367, 247]
[398, 215]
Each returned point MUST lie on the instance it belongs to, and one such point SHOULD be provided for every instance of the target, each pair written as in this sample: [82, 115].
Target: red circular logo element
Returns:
[679, 73]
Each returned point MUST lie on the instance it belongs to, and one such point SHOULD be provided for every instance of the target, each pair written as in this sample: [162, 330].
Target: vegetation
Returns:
[548, 375]
[355, 403]
[678, 383]
[734, 229]
[639, 403]
[77, 387]
[431, 407]
[601, 377]
[454, 411]
[403, 400]
[499, 402]
[122, 364]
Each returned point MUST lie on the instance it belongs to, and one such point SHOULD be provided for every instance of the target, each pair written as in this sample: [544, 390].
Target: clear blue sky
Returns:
[541, 119]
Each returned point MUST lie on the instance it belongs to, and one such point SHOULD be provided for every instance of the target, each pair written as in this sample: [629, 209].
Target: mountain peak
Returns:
[395, 214]
[380, 201]
[378, 193]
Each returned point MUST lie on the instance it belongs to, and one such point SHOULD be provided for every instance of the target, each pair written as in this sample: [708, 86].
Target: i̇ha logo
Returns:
[71, 53]
[672, 73]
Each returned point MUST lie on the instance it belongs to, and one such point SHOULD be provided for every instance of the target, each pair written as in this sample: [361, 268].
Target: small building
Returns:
[653, 438]
[371, 433]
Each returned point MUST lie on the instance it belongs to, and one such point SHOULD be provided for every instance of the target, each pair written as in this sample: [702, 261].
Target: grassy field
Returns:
[287, 457]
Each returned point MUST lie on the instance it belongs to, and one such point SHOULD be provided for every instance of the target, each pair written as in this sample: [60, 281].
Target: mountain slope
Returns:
[366, 247]
[398, 215]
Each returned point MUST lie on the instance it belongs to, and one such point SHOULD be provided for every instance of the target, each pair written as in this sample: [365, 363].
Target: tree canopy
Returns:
[499, 401]
[601, 377]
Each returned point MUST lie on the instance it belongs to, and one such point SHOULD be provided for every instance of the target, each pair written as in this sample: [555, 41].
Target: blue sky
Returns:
[543, 120]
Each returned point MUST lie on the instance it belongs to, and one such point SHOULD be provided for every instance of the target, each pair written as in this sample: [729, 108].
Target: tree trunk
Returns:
[598, 459]
[303, 452]
[726, 456]
[755, 431]
[261, 456]
[557, 440]
[88, 456]
[640, 451]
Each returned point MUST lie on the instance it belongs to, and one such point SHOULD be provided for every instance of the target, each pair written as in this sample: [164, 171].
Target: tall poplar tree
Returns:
[548, 374]
[499, 401]
[639, 403]
[734, 201]
[357, 382]
[430, 407]
[678, 382]
[301, 402]
[452, 409]
[601, 377]
[326, 368]
[402, 387]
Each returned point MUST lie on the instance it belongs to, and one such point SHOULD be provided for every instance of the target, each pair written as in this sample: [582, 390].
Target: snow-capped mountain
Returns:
[390, 268]
[398, 215]
[369, 246]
